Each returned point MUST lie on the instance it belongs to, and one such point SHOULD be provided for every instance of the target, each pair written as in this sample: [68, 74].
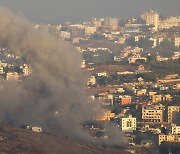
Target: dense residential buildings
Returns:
[133, 68]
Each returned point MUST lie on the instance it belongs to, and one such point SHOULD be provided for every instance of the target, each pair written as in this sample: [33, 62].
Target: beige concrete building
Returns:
[1, 70]
[83, 64]
[153, 113]
[92, 80]
[175, 130]
[159, 58]
[156, 98]
[168, 138]
[12, 76]
[89, 30]
[37, 129]
[151, 93]
[174, 114]
[169, 22]
[176, 55]
[110, 99]
[96, 23]
[167, 97]
[65, 35]
[141, 92]
[106, 116]
[152, 18]
[110, 21]
[77, 30]
[177, 41]
[177, 86]
[27, 70]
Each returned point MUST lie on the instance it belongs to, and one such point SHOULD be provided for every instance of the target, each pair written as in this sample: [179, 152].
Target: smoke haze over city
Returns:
[96, 73]
[57, 11]
[53, 96]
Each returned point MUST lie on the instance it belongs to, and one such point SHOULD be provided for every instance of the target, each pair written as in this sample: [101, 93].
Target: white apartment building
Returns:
[127, 124]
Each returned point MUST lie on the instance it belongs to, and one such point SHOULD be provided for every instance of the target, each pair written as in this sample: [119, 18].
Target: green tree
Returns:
[131, 42]
[167, 45]
[145, 43]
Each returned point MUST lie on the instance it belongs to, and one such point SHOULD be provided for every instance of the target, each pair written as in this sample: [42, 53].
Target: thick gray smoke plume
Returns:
[53, 96]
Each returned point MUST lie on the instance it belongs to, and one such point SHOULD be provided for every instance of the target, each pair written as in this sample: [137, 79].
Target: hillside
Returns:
[21, 141]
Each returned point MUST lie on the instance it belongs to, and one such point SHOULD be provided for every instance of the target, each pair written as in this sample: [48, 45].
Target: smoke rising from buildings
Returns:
[53, 96]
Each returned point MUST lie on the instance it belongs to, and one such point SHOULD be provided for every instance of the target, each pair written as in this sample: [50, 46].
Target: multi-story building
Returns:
[174, 114]
[174, 129]
[169, 22]
[92, 80]
[176, 55]
[156, 98]
[106, 116]
[12, 76]
[141, 92]
[127, 124]
[1, 70]
[152, 18]
[89, 30]
[27, 70]
[110, 21]
[176, 41]
[168, 138]
[96, 22]
[136, 57]
[83, 64]
[110, 99]
[153, 113]
[76, 30]
[177, 86]
[65, 34]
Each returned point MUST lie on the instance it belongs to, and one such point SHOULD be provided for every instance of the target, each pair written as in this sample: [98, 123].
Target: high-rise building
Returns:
[76, 30]
[110, 21]
[152, 18]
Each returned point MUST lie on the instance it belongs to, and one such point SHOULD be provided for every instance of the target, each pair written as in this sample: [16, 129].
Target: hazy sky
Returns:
[57, 11]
